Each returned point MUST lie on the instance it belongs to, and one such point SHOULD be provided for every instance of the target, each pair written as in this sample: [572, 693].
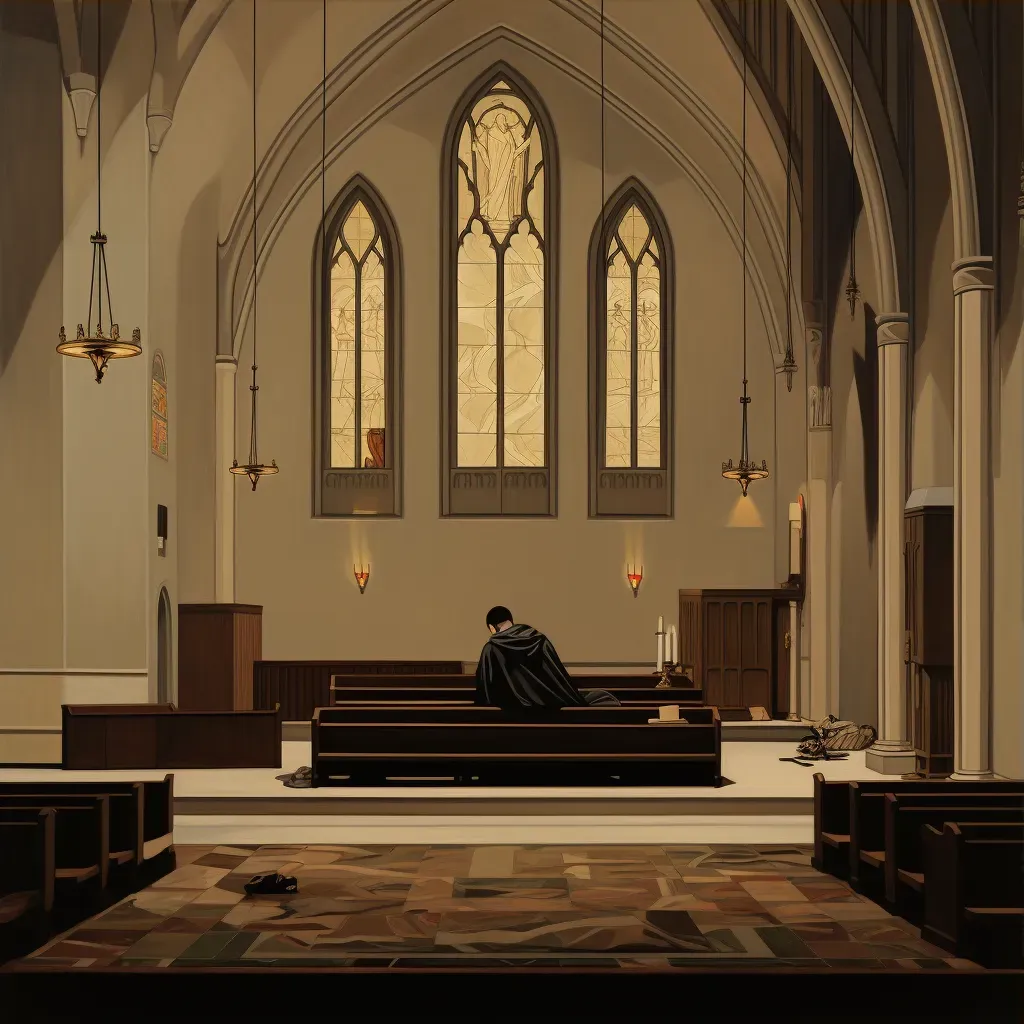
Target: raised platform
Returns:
[773, 732]
[764, 801]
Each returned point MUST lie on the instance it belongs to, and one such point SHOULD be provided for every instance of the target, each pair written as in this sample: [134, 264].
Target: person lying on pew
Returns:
[520, 668]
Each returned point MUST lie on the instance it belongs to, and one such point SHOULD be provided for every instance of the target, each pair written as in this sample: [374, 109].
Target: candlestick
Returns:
[660, 634]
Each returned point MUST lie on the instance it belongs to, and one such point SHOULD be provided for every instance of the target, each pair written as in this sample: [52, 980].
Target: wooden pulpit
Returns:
[217, 646]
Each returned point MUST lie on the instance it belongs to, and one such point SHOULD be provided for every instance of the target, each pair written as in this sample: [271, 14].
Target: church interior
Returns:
[689, 333]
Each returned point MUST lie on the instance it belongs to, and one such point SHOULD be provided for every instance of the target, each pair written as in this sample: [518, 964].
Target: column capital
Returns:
[819, 399]
[973, 274]
[893, 329]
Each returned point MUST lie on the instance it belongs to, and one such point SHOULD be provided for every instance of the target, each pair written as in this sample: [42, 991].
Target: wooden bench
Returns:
[570, 746]
[344, 694]
[974, 893]
[81, 840]
[133, 736]
[445, 714]
[905, 816]
[155, 797]
[832, 803]
[28, 875]
[867, 817]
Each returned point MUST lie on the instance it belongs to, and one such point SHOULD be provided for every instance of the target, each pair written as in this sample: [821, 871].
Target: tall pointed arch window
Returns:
[358, 373]
[498, 276]
[631, 334]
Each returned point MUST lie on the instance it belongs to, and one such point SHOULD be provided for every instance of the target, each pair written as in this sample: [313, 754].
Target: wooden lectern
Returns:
[217, 645]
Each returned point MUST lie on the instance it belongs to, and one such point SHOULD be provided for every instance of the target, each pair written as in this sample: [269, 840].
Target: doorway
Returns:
[163, 648]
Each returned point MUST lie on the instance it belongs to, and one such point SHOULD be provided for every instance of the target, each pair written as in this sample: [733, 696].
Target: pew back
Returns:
[905, 815]
[444, 714]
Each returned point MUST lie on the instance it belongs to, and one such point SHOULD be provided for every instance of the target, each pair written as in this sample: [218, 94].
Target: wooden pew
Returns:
[445, 714]
[571, 747]
[124, 836]
[867, 816]
[103, 736]
[28, 875]
[905, 815]
[832, 803]
[974, 893]
[344, 694]
[156, 798]
[82, 832]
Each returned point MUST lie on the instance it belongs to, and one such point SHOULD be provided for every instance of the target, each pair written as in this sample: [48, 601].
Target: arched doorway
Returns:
[163, 648]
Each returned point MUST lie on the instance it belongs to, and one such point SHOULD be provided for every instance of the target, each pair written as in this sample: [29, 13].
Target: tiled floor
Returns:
[643, 906]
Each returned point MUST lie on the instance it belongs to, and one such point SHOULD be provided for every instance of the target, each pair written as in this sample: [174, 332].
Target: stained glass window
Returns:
[633, 365]
[358, 283]
[158, 408]
[501, 375]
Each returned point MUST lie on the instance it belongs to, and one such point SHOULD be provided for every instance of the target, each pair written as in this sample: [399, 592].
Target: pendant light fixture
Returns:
[747, 470]
[789, 363]
[852, 288]
[99, 346]
[254, 469]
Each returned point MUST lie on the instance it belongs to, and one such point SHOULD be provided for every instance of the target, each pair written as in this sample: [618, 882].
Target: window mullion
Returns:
[499, 335]
[633, 369]
[357, 388]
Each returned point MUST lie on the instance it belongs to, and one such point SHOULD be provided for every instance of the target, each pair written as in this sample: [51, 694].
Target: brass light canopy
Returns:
[99, 346]
[746, 471]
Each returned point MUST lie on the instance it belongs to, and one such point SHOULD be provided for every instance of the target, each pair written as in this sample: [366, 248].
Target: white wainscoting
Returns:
[30, 700]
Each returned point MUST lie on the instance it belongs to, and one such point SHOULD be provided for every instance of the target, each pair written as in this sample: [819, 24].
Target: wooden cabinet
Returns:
[736, 641]
[928, 557]
[217, 646]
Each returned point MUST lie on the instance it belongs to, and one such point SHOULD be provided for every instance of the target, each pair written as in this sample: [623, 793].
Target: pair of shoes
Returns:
[271, 885]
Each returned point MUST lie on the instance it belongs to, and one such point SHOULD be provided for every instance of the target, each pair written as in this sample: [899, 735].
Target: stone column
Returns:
[891, 753]
[224, 486]
[819, 518]
[973, 290]
[793, 633]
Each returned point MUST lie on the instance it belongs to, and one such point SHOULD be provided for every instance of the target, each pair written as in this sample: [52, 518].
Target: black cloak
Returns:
[519, 668]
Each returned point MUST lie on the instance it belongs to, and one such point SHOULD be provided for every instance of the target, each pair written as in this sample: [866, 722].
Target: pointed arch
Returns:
[631, 341]
[499, 266]
[357, 425]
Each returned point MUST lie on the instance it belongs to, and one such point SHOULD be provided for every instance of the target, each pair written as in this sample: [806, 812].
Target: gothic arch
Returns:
[637, 490]
[373, 485]
[518, 488]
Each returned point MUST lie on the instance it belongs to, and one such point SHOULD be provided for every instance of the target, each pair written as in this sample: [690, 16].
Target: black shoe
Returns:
[271, 885]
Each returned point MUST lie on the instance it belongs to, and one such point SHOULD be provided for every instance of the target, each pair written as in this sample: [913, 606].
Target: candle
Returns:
[661, 643]
[673, 641]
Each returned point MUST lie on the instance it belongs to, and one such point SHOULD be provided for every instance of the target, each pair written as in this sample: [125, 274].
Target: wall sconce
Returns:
[362, 577]
[635, 579]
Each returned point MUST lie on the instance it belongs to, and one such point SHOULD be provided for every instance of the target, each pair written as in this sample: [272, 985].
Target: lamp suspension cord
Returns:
[789, 184]
[853, 163]
[744, 218]
[603, 257]
[255, 250]
[323, 148]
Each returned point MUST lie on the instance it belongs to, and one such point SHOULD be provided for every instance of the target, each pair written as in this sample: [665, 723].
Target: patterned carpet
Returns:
[455, 906]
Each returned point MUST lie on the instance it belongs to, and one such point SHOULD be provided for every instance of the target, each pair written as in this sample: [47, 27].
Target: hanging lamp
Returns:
[254, 469]
[99, 346]
[852, 288]
[747, 470]
[789, 366]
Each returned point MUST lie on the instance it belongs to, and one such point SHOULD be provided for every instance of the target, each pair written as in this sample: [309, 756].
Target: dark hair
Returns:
[497, 615]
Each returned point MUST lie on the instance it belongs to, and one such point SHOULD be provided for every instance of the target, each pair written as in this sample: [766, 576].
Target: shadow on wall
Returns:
[31, 165]
[865, 375]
